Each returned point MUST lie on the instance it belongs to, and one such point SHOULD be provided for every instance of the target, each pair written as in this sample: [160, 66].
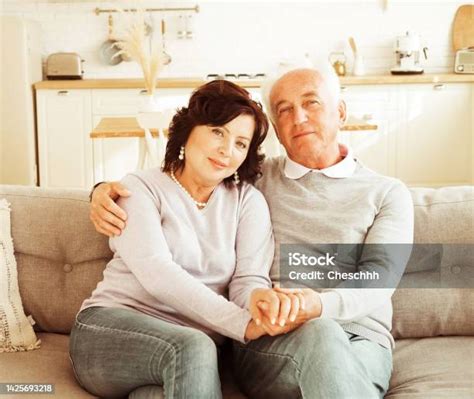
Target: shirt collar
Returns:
[342, 169]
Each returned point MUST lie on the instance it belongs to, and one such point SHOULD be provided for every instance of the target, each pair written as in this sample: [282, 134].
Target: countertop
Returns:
[177, 83]
[117, 127]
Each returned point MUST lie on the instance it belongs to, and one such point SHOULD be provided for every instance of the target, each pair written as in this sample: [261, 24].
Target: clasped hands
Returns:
[280, 310]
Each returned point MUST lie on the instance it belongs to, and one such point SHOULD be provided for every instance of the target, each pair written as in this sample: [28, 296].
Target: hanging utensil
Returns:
[108, 48]
[166, 56]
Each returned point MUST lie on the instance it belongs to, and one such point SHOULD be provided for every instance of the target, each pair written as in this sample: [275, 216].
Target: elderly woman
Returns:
[198, 241]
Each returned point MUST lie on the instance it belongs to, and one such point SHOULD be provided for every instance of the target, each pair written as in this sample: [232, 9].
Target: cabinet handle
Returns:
[63, 93]
[344, 89]
[441, 86]
[143, 92]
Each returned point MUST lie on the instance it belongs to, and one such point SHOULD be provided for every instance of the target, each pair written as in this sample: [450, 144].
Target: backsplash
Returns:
[250, 37]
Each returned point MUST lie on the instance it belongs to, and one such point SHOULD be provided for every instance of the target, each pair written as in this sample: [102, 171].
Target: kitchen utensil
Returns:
[338, 61]
[108, 48]
[353, 45]
[188, 28]
[64, 66]
[464, 62]
[408, 49]
[463, 27]
[166, 56]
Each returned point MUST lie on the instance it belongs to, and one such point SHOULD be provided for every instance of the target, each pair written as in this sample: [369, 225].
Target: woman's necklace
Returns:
[198, 204]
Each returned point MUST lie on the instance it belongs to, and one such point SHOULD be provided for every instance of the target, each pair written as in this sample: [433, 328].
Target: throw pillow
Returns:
[16, 332]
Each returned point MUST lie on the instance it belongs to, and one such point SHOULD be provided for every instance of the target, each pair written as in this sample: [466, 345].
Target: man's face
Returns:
[307, 116]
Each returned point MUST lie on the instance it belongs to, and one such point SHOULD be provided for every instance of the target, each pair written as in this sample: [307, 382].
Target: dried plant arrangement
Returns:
[134, 44]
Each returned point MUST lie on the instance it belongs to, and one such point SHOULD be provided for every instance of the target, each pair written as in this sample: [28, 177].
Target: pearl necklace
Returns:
[197, 203]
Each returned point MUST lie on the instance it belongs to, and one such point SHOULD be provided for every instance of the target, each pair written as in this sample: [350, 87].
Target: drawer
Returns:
[131, 101]
[117, 101]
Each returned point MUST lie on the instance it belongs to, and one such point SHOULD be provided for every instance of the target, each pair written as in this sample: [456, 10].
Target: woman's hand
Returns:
[271, 306]
[253, 331]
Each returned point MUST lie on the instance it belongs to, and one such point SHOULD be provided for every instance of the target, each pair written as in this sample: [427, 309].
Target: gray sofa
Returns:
[61, 258]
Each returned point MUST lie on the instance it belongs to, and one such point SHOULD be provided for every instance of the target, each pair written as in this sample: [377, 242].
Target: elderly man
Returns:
[340, 342]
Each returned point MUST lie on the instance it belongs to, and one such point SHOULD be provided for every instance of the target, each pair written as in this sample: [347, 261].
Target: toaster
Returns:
[64, 66]
[464, 62]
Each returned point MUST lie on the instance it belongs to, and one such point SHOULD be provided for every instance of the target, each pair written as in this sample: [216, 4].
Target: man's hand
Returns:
[313, 306]
[279, 308]
[107, 216]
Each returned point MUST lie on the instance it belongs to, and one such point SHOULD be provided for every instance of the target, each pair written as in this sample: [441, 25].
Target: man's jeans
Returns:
[116, 352]
[316, 361]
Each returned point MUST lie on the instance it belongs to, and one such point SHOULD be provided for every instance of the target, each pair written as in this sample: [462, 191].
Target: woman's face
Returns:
[213, 153]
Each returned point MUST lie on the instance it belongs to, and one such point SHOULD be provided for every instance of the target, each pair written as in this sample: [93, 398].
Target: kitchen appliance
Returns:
[464, 62]
[64, 66]
[408, 50]
[20, 43]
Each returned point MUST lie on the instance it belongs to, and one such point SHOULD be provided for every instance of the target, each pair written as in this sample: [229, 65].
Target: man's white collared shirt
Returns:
[342, 169]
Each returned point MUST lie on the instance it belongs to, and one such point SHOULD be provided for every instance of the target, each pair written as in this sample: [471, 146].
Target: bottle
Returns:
[359, 68]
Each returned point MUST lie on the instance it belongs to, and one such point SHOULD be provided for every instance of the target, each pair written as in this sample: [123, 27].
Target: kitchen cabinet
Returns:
[376, 105]
[64, 148]
[434, 141]
[424, 136]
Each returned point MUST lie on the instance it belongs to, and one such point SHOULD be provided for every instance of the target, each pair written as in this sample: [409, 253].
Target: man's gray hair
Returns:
[323, 68]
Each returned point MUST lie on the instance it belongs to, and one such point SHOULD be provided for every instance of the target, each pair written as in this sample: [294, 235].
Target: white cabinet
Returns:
[425, 131]
[434, 145]
[424, 136]
[64, 147]
[374, 105]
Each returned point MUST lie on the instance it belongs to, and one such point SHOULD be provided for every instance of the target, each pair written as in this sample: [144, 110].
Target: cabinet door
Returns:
[65, 150]
[373, 105]
[435, 141]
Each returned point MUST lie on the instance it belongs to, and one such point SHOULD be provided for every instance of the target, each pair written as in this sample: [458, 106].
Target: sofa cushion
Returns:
[424, 312]
[50, 364]
[59, 254]
[433, 368]
[442, 216]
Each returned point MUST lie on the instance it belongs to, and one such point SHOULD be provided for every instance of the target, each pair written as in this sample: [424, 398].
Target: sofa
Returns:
[61, 258]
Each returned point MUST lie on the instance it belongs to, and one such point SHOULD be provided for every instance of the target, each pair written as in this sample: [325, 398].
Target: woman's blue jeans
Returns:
[119, 352]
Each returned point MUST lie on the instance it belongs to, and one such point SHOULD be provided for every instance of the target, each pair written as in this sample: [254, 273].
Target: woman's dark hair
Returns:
[215, 104]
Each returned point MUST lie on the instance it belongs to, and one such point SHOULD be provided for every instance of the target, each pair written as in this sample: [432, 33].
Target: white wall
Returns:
[244, 36]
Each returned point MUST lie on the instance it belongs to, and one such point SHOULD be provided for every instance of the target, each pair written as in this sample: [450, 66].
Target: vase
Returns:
[149, 115]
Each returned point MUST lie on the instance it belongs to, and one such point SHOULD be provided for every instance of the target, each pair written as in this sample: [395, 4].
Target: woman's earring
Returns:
[236, 178]
[181, 153]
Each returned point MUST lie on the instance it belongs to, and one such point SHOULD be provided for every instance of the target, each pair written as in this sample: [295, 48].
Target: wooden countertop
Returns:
[177, 83]
[118, 127]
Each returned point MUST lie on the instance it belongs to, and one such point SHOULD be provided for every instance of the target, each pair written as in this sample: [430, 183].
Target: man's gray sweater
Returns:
[364, 208]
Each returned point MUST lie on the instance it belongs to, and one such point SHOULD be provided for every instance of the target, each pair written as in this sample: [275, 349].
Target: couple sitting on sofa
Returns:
[192, 261]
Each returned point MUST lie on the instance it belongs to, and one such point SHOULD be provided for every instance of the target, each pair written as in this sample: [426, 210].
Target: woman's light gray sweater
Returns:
[364, 208]
[184, 265]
